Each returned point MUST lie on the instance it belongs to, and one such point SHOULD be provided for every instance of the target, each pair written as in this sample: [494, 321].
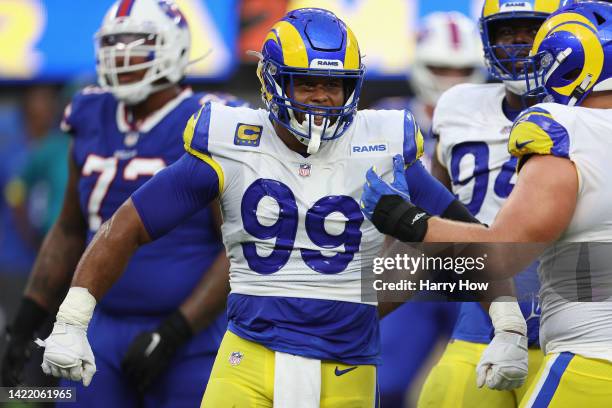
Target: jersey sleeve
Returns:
[174, 194]
[426, 191]
[75, 112]
[195, 138]
[413, 139]
[535, 131]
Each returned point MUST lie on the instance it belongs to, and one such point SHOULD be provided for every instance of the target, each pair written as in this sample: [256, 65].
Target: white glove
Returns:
[68, 354]
[67, 351]
[504, 363]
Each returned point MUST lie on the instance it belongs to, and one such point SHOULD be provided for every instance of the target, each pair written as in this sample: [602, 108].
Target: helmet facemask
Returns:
[509, 63]
[310, 124]
[115, 56]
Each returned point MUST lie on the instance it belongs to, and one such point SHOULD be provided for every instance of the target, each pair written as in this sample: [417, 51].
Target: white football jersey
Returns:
[473, 146]
[571, 272]
[293, 226]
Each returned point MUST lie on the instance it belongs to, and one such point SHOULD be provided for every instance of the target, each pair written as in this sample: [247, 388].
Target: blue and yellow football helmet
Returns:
[505, 62]
[572, 53]
[310, 42]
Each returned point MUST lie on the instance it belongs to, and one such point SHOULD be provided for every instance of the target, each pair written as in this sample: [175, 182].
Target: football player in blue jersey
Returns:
[157, 331]
[561, 198]
[447, 52]
[289, 181]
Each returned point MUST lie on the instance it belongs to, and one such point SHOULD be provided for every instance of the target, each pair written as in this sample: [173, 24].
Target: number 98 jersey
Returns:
[473, 146]
[293, 226]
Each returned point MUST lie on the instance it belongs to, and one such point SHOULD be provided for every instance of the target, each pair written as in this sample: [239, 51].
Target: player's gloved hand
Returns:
[504, 363]
[389, 208]
[68, 353]
[20, 341]
[151, 352]
[375, 187]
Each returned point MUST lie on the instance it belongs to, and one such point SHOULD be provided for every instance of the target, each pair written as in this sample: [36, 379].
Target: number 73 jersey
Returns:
[473, 146]
[292, 225]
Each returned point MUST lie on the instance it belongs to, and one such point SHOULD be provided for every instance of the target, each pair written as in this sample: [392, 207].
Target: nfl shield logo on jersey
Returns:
[304, 170]
[131, 139]
[235, 358]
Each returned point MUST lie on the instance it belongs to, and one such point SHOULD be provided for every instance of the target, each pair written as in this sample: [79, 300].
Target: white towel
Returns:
[297, 381]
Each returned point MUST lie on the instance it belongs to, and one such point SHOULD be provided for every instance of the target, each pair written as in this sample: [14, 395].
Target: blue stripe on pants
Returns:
[552, 380]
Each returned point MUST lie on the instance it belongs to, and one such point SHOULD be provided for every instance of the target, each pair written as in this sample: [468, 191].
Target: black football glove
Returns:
[20, 341]
[151, 352]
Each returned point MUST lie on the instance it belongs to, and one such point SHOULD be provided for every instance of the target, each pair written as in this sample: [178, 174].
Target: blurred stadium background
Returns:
[47, 53]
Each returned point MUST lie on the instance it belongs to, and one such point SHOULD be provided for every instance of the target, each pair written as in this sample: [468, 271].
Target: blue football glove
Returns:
[375, 187]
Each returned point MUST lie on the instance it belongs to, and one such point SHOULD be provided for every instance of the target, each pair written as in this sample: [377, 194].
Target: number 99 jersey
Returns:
[292, 224]
[293, 228]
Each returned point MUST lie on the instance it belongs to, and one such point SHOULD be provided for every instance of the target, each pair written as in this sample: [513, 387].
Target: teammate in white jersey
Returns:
[289, 181]
[447, 53]
[472, 124]
[562, 195]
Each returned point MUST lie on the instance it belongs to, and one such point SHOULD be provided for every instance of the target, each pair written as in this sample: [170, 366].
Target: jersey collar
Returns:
[152, 120]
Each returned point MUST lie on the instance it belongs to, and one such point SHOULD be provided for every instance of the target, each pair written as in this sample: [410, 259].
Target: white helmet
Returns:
[155, 30]
[446, 40]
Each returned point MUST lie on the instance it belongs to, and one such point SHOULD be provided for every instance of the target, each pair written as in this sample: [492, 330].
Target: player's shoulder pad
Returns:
[452, 103]
[221, 98]
[398, 127]
[196, 136]
[215, 126]
[392, 103]
[536, 131]
[84, 104]
[413, 139]
[455, 97]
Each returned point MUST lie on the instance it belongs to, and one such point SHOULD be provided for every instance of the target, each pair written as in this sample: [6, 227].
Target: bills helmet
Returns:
[445, 40]
[154, 35]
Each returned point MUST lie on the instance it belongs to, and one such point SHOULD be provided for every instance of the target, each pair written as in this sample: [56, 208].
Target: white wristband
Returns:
[77, 308]
[506, 315]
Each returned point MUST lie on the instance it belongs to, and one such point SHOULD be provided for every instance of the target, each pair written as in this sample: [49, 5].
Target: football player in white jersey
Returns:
[561, 196]
[289, 181]
[472, 124]
[447, 53]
